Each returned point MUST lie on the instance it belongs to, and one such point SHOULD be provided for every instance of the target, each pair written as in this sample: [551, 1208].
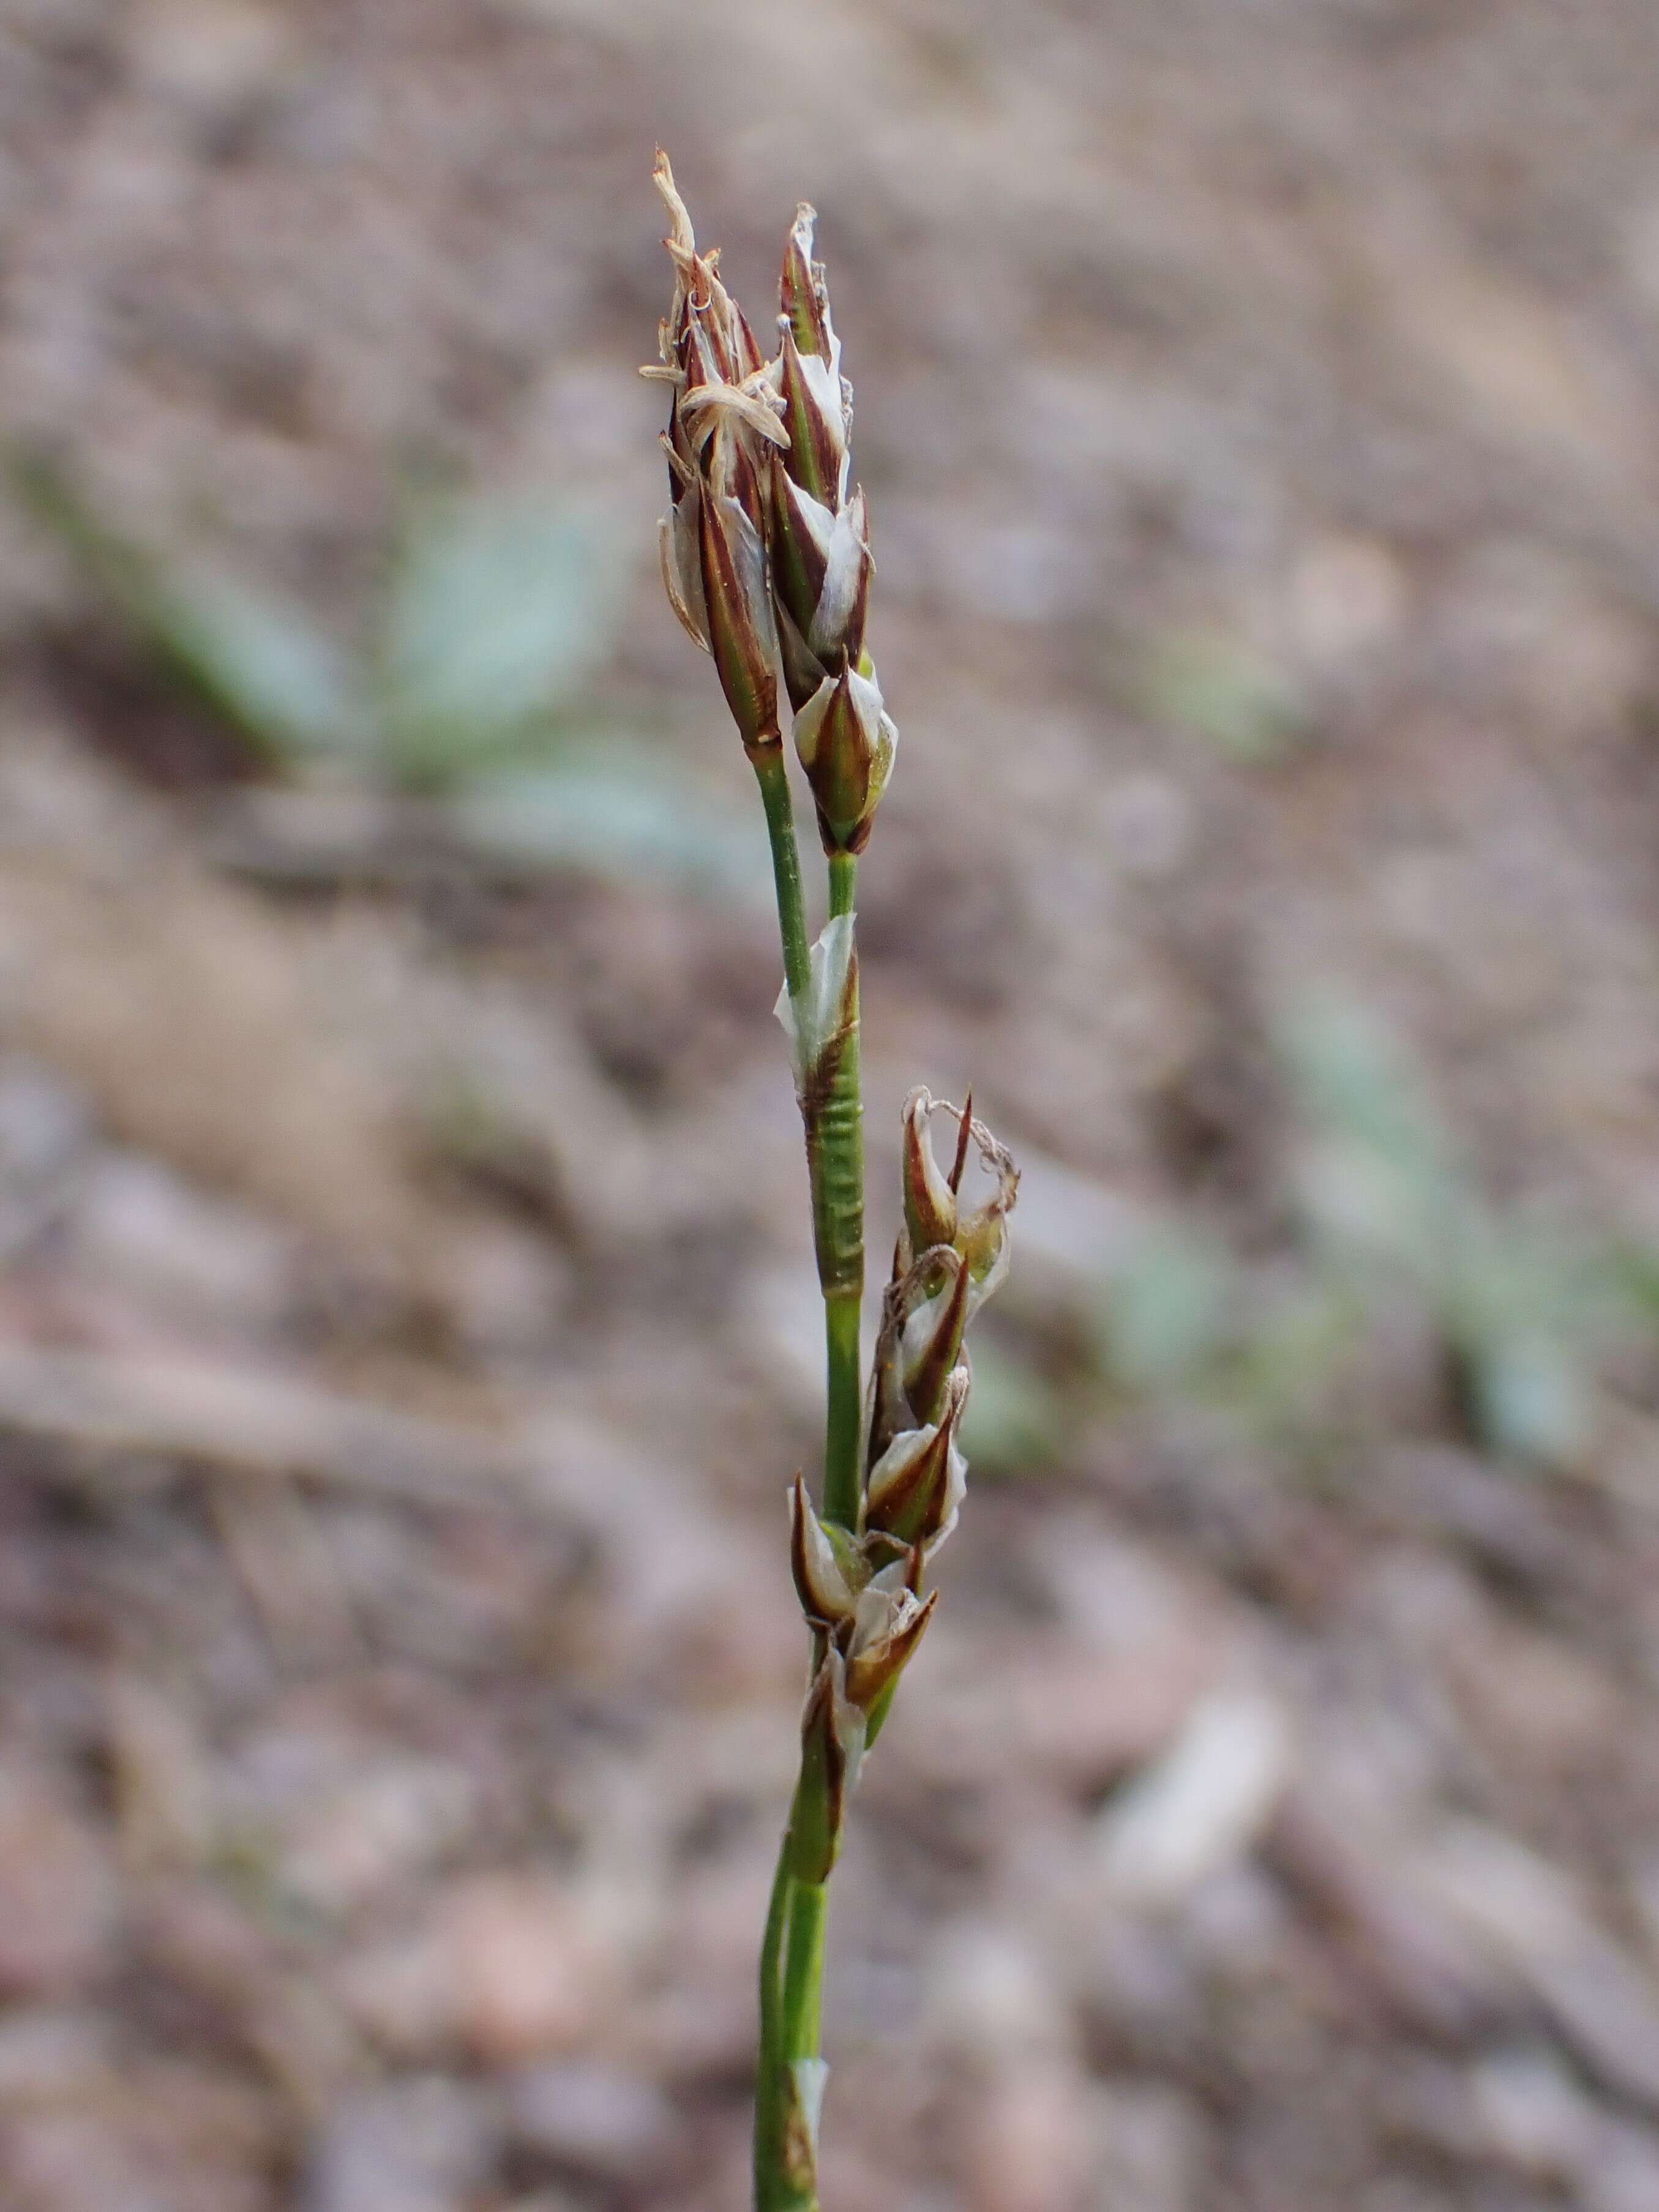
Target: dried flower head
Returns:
[869, 1620]
[950, 1259]
[933, 1213]
[861, 1590]
[723, 416]
[845, 743]
[765, 546]
[824, 564]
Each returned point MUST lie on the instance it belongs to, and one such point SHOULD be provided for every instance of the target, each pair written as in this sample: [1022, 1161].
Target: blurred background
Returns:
[407, 1325]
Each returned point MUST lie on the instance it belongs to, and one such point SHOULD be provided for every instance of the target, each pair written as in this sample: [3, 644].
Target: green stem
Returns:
[792, 1956]
[843, 882]
[791, 1997]
[843, 1425]
[774, 780]
[839, 1174]
[803, 1971]
[772, 2102]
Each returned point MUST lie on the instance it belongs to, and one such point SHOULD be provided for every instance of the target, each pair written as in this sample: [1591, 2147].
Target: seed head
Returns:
[933, 1211]
[832, 1731]
[870, 1618]
[821, 546]
[917, 1484]
[920, 1379]
[829, 1571]
[818, 401]
[766, 546]
[893, 1624]
[724, 416]
[930, 1199]
[861, 1590]
[742, 634]
[821, 575]
[845, 741]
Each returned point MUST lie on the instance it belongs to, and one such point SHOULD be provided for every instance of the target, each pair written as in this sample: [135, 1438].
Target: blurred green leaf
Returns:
[1221, 688]
[1300, 1340]
[1523, 1308]
[259, 661]
[624, 814]
[1632, 1277]
[1528, 1311]
[254, 658]
[1015, 1418]
[1529, 1396]
[1377, 1183]
[496, 615]
[1169, 1313]
[1352, 1080]
[45, 488]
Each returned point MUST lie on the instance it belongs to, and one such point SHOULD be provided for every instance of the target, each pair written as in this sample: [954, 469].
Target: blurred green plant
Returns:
[1523, 1307]
[494, 622]
[1173, 1313]
[1015, 1421]
[1386, 1219]
[1217, 686]
[472, 685]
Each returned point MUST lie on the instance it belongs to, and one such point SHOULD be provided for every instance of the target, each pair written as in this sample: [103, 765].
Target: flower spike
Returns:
[766, 560]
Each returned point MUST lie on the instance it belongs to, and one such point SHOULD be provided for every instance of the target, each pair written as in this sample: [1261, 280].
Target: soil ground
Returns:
[406, 1324]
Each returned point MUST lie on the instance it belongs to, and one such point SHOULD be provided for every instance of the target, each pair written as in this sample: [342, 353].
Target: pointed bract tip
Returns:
[930, 1204]
[804, 302]
[964, 1131]
[822, 1583]
[929, 1364]
[681, 236]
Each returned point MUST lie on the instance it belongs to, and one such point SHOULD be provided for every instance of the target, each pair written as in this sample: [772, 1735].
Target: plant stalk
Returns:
[789, 2071]
[841, 1175]
[774, 780]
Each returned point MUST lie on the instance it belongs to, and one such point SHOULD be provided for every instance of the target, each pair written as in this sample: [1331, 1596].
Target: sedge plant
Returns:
[766, 556]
